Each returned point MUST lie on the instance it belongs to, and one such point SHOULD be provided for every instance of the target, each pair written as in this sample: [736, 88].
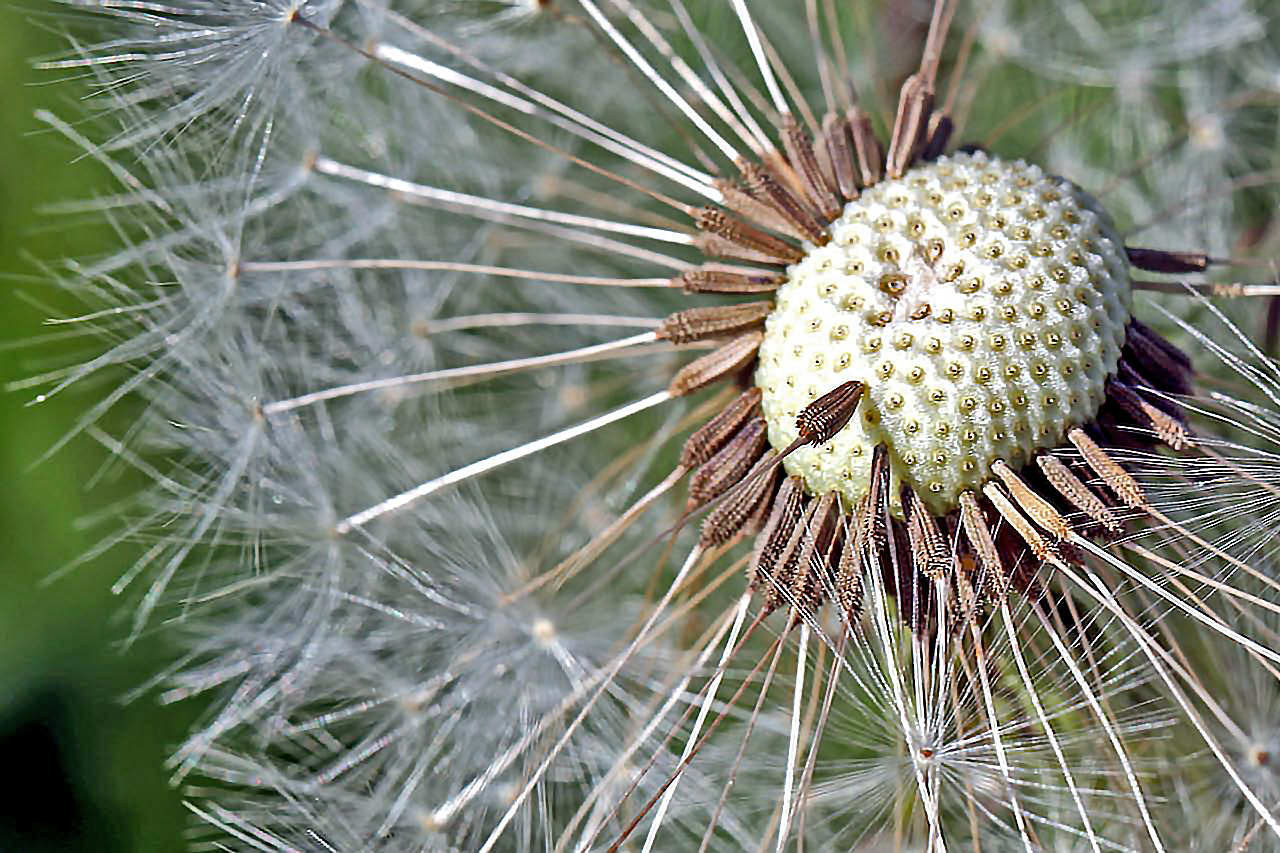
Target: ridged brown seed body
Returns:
[866, 147]
[1159, 341]
[716, 365]
[809, 578]
[873, 533]
[968, 606]
[1156, 260]
[714, 246]
[741, 510]
[1118, 480]
[1040, 510]
[805, 161]
[729, 464]
[1153, 404]
[1165, 427]
[786, 569]
[1039, 546]
[819, 421]
[835, 134]
[911, 589]
[1077, 493]
[723, 281]
[788, 508]
[766, 189]
[713, 321]
[929, 547]
[718, 223]
[939, 134]
[711, 436]
[746, 202]
[1164, 365]
[915, 104]
[991, 582]
[849, 569]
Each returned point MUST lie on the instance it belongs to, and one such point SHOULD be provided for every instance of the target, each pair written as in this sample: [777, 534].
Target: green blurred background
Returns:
[86, 772]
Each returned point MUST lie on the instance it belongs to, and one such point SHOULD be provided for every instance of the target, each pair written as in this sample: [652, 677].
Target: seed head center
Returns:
[983, 304]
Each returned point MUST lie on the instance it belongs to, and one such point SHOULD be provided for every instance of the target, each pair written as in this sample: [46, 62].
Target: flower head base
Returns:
[981, 302]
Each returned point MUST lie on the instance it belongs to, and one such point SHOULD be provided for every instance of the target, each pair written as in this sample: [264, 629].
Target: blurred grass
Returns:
[89, 773]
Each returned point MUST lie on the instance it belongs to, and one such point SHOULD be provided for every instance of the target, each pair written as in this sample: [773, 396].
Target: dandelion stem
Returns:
[447, 266]
[1155, 654]
[612, 670]
[490, 369]
[487, 464]
[656, 79]
[757, 50]
[1015, 646]
[793, 742]
[487, 208]
[709, 699]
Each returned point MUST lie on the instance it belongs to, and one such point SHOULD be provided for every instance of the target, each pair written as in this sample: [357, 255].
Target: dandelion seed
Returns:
[911, 593]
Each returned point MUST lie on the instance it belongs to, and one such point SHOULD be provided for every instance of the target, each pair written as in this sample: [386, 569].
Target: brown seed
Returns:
[788, 508]
[866, 146]
[1077, 493]
[734, 515]
[716, 321]
[969, 609]
[722, 281]
[1165, 427]
[711, 436]
[915, 104]
[1040, 546]
[939, 134]
[835, 133]
[1155, 260]
[801, 154]
[793, 209]
[821, 420]
[729, 464]
[788, 570]
[1117, 479]
[743, 201]
[1136, 326]
[929, 549]
[1163, 364]
[1040, 510]
[849, 569]
[991, 581]
[718, 247]
[877, 500]
[716, 222]
[716, 365]
[911, 589]
[808, 577]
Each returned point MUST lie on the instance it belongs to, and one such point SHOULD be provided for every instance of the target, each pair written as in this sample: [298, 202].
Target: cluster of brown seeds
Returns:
[992, 532]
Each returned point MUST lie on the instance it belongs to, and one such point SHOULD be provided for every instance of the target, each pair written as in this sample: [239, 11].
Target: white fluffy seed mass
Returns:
[982, 302]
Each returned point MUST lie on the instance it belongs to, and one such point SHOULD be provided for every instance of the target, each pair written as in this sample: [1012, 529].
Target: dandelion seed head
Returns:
[374, 233]
[981, 302]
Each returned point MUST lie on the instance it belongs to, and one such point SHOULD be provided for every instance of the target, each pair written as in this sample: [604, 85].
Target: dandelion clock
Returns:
[616, 425]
